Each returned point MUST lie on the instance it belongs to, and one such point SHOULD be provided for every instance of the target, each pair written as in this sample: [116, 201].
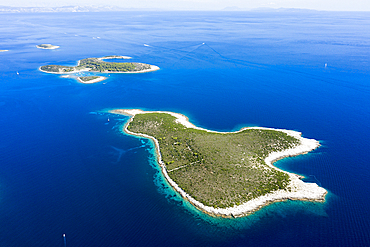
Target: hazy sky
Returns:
[341, 5]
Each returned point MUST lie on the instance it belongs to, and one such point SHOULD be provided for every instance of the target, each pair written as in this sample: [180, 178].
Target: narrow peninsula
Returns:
[99, 65]
[227, 174]
[47, 46]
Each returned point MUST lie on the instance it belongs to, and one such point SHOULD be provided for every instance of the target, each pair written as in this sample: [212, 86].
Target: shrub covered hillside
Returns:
[217, 169]
[96, 65]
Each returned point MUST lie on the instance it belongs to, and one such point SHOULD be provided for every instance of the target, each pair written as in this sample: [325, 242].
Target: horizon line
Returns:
[112, 8]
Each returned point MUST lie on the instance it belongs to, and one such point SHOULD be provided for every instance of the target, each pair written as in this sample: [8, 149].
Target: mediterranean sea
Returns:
[66, 167]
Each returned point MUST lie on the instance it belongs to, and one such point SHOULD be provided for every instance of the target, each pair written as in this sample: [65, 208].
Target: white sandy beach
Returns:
[3, 50]
[299, 189]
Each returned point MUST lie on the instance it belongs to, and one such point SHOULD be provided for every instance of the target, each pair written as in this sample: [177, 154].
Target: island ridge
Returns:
[228, 174]
[91, 79]
[47, 46]
[98, 65]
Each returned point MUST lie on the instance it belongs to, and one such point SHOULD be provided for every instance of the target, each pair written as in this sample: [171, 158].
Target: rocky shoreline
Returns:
[299, 190]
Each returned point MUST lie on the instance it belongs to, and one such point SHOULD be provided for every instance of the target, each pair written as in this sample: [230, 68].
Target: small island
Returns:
[115, 57]
[98, 65]
[47, 46]
[91, 79]
[227, 174]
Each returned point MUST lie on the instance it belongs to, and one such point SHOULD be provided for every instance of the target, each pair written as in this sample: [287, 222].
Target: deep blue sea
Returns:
[66, 169]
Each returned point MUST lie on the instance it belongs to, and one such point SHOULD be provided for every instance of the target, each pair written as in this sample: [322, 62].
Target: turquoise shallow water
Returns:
[66, 169]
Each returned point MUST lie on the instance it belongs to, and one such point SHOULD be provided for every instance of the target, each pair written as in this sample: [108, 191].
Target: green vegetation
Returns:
[112, 56]
[219, 170]
[88, 78]
[44, 46]
[57, 68]
[115, 56]
[47, 46]
[96, 65]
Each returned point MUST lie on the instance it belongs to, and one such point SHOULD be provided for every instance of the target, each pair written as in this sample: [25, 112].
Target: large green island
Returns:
[227, 174]
[98, 65]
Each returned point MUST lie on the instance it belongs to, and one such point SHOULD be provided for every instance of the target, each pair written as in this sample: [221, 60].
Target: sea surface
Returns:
[66, 169]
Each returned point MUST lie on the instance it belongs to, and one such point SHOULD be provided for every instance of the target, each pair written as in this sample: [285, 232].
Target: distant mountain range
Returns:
[94, 8]
[265, 9]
